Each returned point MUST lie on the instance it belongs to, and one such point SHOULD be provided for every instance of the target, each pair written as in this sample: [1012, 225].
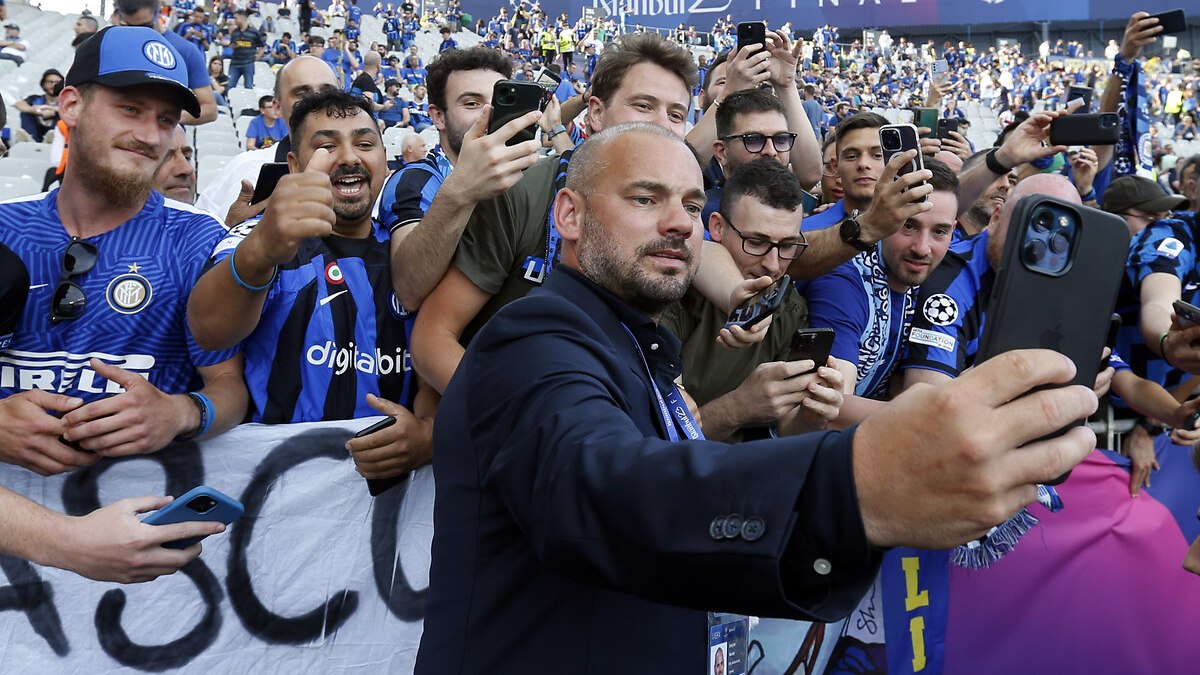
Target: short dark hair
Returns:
[333, 101]
[475, 58]
[862, 120]
[943, 179]
[635, 48]
[128, 7]
[766, 180]
[742, 102]
[712, 65]
[264, 101]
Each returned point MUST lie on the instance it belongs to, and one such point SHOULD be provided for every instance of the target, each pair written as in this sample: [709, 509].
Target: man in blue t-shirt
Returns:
[308, 292]
[101, 362]
[267, 128]
[869, 301]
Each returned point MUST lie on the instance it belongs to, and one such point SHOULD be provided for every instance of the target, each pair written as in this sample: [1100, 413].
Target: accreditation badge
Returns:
[728, 643]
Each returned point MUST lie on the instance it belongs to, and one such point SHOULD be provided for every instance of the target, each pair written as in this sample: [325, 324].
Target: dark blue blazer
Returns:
[571, 538]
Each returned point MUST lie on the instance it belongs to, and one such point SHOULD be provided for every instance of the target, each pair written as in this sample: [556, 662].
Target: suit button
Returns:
[733, 525]
[716, 529]
[753, 528]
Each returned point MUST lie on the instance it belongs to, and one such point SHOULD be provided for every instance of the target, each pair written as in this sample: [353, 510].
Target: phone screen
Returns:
[268, 178]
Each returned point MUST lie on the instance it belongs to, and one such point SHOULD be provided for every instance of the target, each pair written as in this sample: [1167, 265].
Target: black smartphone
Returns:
[1114, 330]
[898, 138]
[945, 125]
[1172, 22]
[809, 202]
[1086, 129]
[1187, 313]
[200, 503]
[1056, 285]
[811, 344]
[751, 33]
[377, 486]
[760, 306]
[1081, 93]
[926, 117]
[268, 178]
[548, 80]
[510, 100]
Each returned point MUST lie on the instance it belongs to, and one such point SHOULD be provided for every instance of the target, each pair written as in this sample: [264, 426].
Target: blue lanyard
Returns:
[674, 412]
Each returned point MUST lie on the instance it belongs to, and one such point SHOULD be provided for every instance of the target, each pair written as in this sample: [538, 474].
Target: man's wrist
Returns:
[190, 420]
[999, 160]
[869, 232]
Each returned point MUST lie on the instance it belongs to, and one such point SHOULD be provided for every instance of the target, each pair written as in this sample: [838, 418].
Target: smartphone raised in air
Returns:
[510, 100]
[762, 305]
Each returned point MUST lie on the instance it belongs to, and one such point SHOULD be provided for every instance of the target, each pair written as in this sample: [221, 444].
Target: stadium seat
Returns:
[11, 187]
[39, 151]
[15, 167]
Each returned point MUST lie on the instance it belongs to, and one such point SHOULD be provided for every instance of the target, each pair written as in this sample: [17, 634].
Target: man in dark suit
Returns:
[576, 500]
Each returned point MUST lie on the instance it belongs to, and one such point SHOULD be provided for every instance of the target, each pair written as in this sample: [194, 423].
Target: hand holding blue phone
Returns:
[203, 504]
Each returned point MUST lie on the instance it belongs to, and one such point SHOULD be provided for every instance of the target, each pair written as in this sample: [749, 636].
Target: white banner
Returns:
[316, 577]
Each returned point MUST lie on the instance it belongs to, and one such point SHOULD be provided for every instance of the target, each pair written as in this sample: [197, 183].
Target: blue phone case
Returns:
[191, 507]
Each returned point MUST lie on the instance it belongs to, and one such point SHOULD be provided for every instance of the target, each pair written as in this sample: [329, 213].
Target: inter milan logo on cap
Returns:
[159, 54]
[129, 293]
[333, 274]
[941, 310]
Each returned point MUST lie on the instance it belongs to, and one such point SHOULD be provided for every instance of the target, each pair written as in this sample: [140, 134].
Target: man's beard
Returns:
[455, 136]
[122, 188]
[599, 260]
[352, 211]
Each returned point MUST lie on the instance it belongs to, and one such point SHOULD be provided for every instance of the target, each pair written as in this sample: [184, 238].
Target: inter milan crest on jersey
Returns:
[129, 293]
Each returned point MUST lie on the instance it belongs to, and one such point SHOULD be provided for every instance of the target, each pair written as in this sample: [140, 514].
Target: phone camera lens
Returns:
[890, 139]
[1059, 243]
[1043, 221]
[202, 504]
[1034, 251]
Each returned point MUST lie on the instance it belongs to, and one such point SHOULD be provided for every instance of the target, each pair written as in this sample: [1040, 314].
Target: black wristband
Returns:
[994, 164]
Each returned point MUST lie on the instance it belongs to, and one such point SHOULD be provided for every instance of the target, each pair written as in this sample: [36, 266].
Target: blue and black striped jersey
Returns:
[408, 193]
[949, 317]
[331, 332]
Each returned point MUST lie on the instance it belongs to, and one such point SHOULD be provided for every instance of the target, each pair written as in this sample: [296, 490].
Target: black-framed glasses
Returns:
[755, 142]
[69, 298]
[788, 250]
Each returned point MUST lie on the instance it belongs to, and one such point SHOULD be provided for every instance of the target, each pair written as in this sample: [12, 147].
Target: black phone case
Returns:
[762, 305]
[1172, 22]
[811, 344]
[527, 98]
[268, 178]
[1069, 313]
[945, 126]
[1088, 129]
[751, 32]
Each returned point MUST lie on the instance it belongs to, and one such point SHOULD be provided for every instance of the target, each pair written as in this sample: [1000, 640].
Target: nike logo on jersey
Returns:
[37, 286]
[328, 299]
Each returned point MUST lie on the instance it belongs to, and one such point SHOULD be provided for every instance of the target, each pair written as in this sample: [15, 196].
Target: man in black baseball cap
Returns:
[1140, 201]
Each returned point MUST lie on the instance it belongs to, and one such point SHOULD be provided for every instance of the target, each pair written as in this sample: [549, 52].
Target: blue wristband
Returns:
[1090, 196]
[207, 413]
[240, 282]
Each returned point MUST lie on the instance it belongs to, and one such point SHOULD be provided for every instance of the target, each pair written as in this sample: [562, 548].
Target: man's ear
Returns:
[569, 214]
[716, 226]
[70, 106]
[437, 116]
[719, 152]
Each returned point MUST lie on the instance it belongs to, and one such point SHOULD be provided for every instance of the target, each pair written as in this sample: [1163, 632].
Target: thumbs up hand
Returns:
[300, 208]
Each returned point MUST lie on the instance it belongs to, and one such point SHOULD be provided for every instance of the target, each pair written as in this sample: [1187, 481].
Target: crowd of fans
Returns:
[247, 323]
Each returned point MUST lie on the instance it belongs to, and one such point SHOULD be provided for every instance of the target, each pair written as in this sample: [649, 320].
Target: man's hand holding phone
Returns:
[400, 447]
[486, 165]
[748, 68]
[1141, 30]
[896, 199]
[1179, 345]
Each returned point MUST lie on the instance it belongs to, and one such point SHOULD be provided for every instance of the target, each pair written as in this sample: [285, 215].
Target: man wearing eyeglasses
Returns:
[742, 393]
[102, 363]
[870, 300]
[751, 124]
